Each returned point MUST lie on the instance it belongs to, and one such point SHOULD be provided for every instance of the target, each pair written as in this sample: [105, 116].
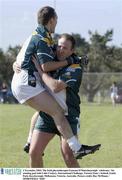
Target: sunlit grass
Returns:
[99, 124]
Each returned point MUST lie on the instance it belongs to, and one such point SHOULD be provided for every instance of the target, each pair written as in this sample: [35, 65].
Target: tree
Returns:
[114, 59]
[6, 62]
[2, 65]
[82, 46]
[100, 56]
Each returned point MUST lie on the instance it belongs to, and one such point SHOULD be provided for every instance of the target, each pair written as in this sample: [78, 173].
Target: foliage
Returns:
[103, 58]
[114, 59]
[6, 62]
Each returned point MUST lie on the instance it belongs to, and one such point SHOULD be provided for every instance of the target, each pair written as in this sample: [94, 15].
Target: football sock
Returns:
[74, 144]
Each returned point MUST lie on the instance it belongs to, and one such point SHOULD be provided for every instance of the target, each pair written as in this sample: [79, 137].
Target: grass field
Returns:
[99, 124]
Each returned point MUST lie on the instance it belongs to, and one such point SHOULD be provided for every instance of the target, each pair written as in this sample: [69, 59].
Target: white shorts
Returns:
[20, 88]
[60, 97]
[114, 95]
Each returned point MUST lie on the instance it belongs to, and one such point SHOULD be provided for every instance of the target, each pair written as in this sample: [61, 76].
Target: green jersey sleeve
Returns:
[44, 52]
[72, 76]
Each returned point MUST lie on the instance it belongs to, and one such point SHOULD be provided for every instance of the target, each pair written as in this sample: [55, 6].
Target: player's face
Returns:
[53, 23]
[64, 49]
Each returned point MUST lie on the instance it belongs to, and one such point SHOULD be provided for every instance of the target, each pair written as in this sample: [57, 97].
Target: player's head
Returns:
[114, 83]
[66, 46]
[47, 16]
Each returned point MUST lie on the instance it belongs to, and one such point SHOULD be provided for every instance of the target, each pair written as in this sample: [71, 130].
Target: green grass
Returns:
[99, 124]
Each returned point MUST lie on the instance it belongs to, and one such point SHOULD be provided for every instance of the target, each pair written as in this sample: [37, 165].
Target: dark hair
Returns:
[45, 14]
[115, 83]
[70, 38]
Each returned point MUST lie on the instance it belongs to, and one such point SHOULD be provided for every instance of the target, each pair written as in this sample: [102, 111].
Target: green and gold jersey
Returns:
[72, 76]
[39, 43]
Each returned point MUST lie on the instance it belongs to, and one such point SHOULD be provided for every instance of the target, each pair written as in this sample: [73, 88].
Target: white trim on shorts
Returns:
[20, 88]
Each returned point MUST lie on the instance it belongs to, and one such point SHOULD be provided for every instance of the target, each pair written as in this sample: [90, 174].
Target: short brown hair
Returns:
[45, 14]
[70, 38]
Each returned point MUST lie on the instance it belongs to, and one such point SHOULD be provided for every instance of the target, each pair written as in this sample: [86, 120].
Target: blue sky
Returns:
[18, 18]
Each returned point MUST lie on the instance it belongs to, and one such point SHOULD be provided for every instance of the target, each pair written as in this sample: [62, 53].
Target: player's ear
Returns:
[73, 50]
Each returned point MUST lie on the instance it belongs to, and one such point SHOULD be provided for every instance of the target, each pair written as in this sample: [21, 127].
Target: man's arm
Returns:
[71, 77]
[16, 67]
[46, 56]
[68, 79]
[53, 84]
[53, 65]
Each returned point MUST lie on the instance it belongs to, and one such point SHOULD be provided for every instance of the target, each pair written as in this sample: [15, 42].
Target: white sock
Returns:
[29, 138]
[74, 144]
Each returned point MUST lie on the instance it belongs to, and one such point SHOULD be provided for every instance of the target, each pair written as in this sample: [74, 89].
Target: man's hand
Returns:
[74, 59]
[16, 67]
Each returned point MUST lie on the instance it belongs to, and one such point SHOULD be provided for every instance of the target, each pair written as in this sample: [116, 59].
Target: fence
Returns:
[95, 87]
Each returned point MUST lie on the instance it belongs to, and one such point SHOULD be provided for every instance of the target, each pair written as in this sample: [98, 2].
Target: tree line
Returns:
[103, 57]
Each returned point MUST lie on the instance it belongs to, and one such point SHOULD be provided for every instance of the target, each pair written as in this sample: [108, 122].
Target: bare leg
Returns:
[68, 156]
[38, 145]
[46, 103]
[32, 125]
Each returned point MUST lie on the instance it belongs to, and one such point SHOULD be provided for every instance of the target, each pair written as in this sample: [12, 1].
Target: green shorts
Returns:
[46, 124]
